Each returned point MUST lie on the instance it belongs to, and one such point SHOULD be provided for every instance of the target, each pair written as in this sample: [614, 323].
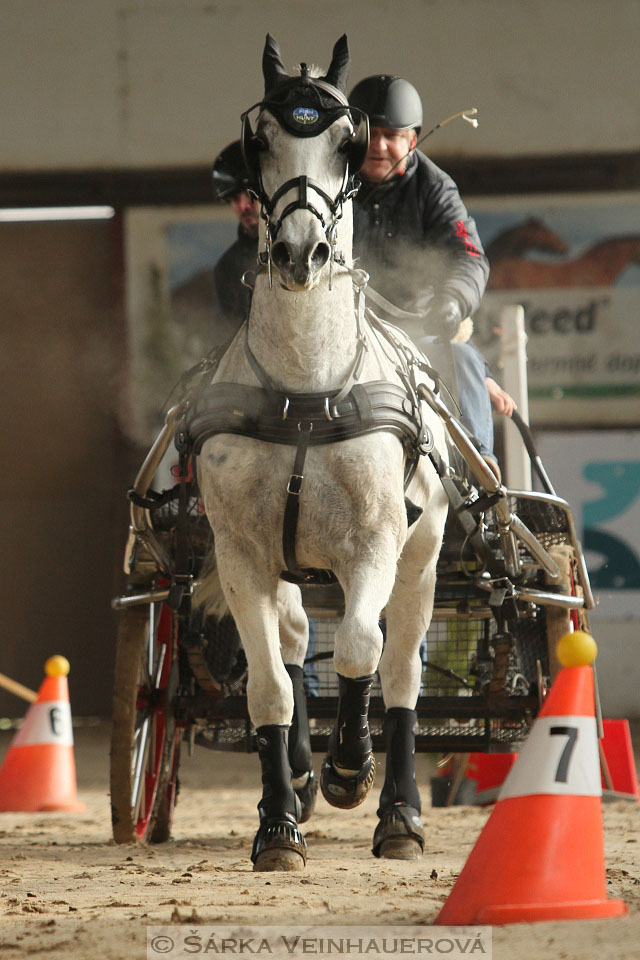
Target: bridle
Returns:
[354, 147]
[303, 185]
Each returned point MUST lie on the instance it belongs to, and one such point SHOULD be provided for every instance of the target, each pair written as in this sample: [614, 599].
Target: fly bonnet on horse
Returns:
[305, 106]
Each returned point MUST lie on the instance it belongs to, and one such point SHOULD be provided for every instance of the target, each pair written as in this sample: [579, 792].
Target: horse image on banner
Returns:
[599, 266]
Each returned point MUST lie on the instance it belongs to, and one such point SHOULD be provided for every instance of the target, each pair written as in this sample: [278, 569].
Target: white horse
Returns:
[303, 351]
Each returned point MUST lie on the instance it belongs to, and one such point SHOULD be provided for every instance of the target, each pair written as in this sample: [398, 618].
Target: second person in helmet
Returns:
[231, 300]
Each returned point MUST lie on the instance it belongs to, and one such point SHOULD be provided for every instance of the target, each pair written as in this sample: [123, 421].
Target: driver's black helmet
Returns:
[389, 102]
[229, 172]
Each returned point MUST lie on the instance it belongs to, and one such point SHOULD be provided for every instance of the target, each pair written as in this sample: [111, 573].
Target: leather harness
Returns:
[310, 419]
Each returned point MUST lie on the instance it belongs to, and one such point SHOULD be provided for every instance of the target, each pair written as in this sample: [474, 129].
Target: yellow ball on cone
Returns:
[577, 649]
[57, 666]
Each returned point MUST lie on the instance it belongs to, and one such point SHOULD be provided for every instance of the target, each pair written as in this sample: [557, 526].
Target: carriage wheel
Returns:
[145, 740]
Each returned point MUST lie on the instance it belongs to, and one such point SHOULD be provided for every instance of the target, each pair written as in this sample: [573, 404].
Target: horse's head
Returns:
[301, 157]
[538, 236]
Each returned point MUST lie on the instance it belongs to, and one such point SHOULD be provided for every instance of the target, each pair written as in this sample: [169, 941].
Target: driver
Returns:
[414, 236]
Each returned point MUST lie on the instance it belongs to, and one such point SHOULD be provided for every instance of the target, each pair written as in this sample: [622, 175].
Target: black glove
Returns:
[443, 318]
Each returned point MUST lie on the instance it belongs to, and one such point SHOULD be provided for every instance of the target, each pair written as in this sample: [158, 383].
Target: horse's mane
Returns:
[313, 69]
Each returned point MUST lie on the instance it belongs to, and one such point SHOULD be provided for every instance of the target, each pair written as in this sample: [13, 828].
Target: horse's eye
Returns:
[346, 143]
[260, 143]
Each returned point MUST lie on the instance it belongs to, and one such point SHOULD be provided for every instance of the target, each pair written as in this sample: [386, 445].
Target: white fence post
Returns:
[517, 465]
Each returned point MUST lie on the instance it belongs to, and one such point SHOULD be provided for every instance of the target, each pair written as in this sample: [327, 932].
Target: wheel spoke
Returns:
[140, 763]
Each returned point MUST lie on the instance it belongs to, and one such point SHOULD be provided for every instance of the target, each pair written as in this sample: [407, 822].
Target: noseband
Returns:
[304, 121]
[303, 184]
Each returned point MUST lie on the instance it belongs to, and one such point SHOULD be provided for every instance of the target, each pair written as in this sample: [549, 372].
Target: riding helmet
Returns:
[389, 102]
[229, 172]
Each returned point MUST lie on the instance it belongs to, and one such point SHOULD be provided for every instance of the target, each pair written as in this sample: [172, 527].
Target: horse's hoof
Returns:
[282, 860]
[400, 848]
[307, 794]
[279, 845]
[346, 792]
[399, 834]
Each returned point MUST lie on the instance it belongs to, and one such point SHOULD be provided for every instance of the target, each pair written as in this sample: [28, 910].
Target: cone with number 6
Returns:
[38, 772]
[540, 855]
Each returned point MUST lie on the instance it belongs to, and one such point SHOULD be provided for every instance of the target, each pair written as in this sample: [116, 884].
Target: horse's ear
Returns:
[272, 65]
[338, 71]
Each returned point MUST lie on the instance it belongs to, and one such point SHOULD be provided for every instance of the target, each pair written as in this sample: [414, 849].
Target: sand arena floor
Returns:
[67, 891]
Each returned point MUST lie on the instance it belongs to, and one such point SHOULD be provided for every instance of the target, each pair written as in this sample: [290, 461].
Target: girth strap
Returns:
[292, 506]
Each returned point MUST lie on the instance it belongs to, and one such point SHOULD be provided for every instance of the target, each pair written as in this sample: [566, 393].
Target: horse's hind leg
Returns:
[294, 638]
[278, 844]
[399, 834]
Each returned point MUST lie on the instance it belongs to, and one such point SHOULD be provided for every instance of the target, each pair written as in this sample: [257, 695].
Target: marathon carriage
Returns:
[319, 410]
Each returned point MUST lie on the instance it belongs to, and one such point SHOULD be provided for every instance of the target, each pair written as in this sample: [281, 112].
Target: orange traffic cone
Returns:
[540, 855]
[39, 770]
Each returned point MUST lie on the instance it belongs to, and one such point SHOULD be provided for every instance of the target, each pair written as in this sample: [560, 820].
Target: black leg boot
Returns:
[399, 834]
[305, 784]
[349, 768]
[278, 844]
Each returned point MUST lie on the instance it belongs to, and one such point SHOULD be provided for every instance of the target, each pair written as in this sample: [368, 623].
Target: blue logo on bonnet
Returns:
[305, 115]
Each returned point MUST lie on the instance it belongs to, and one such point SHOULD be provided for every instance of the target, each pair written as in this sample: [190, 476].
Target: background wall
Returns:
[104, 83]
[65, 467]
[122, 87]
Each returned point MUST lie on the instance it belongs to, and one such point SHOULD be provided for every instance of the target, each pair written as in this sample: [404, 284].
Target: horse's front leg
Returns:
[252, 597]
[348, 771]
[294, 639]
[399, 834]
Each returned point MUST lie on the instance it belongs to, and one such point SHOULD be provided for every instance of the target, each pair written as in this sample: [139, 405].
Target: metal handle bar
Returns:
[534, 456]
[508, 524]
[139, 516]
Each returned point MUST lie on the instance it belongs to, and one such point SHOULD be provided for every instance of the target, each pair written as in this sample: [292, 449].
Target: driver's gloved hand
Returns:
[443, 318]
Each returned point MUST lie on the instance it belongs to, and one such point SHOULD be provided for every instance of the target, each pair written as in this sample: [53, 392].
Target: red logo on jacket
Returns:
[463, 233]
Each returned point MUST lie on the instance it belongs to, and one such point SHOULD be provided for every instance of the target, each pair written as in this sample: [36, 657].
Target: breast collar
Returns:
[309, 419]
[266, 413]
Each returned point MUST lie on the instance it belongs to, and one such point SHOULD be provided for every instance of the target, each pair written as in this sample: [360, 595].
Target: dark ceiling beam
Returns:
[116, 188]
[546, 174]
[192, 184]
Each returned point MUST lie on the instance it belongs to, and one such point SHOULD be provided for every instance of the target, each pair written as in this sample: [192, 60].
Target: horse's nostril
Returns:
[280, 254]
[320, 255]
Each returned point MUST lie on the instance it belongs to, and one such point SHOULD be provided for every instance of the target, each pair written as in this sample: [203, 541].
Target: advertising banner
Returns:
[573, 262]
[598, 472]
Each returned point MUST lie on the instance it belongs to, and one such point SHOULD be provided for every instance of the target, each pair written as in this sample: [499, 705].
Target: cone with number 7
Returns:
[540, 855]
